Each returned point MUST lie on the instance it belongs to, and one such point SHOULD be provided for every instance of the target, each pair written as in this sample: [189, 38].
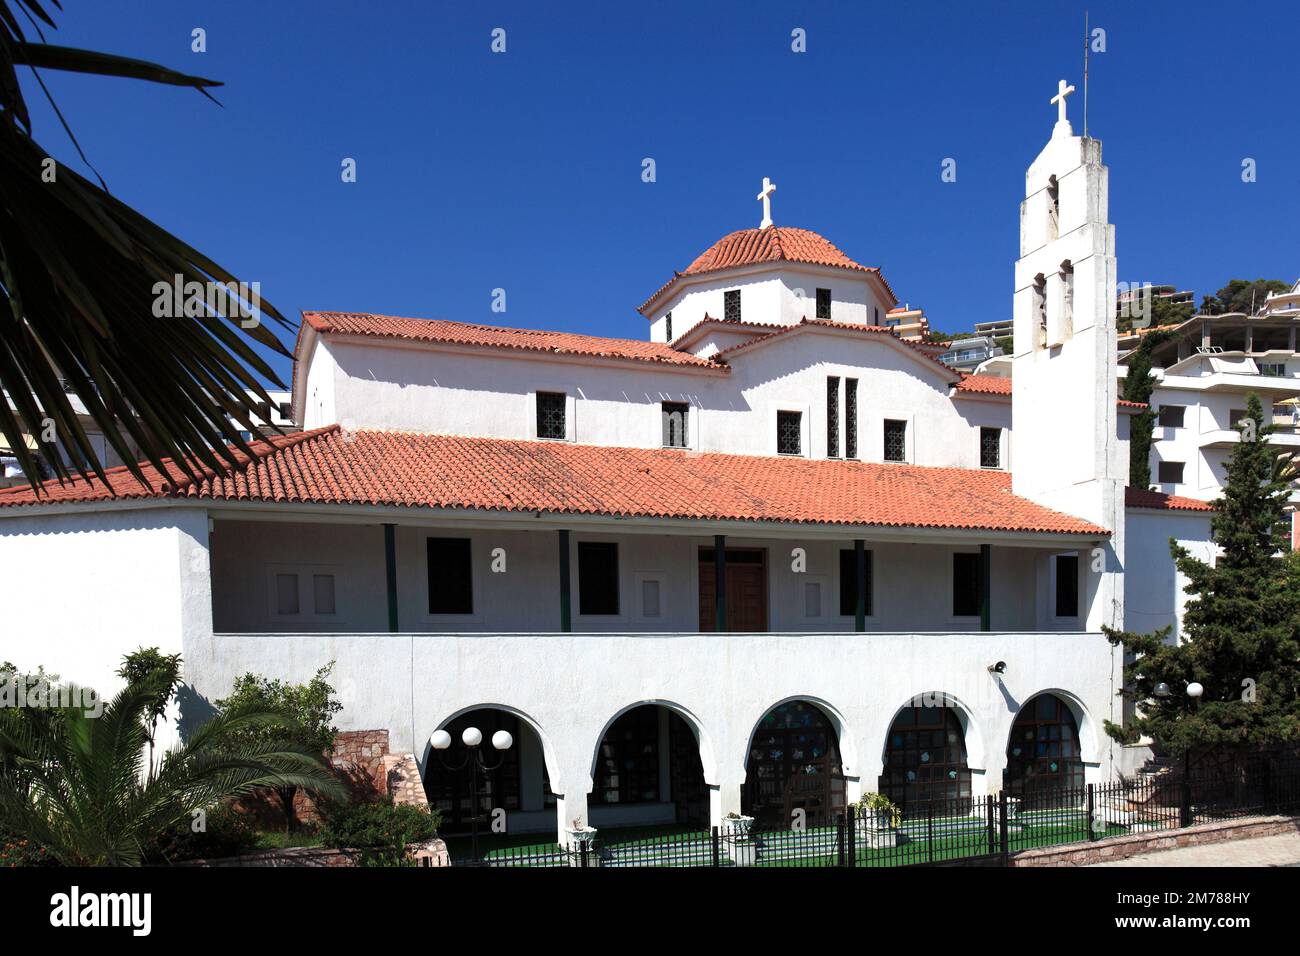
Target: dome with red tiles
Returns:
[773, 244]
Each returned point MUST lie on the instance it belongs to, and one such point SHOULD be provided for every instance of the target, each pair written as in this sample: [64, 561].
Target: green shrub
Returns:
[226, 833]
[381, 831]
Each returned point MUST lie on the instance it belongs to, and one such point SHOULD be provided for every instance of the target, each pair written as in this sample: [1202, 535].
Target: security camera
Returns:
[999, 668]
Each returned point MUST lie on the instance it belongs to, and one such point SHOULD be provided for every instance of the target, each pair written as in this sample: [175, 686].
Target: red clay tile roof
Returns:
[773, 244]
[329, 465]
[493, 336]
[1142, 498]
[998, 385]
[985, 384]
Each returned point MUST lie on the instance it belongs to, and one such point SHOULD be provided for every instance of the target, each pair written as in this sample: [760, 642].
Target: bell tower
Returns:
[1064, 368]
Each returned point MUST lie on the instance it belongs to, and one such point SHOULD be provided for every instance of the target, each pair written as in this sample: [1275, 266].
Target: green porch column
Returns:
[986, 587]
[390, 569]
[860, 583]
[566, 608]
[720, 582]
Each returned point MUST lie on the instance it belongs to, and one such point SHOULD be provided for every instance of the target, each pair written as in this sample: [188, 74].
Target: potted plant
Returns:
[878, 819]
[580, 834]
[737, 825]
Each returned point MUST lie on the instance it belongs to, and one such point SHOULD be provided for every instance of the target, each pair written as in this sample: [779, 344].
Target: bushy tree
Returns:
[1241, 629]
[1242, 295]
[163, 670]
[308, 710]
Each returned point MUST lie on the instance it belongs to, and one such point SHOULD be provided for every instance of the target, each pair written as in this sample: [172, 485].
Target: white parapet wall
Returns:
[570, 687]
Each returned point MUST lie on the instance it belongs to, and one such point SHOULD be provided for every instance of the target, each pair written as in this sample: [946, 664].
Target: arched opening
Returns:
[794, 763]
[925, 757]
[1053, 208]
[518, 783]
[648, 771]
[1043, 750]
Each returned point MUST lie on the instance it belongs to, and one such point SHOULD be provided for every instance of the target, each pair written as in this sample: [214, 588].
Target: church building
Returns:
[763, 558]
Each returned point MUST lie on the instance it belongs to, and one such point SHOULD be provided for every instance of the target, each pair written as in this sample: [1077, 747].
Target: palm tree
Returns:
[76, 784]
[79, 274]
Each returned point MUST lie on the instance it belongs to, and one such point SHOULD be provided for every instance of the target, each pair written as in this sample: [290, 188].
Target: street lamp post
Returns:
[1194, 691]
[474, 761]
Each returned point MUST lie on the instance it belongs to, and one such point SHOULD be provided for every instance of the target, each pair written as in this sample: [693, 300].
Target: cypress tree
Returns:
[1241, 629]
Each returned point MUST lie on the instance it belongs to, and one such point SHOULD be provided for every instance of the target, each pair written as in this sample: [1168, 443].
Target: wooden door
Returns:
[746, 590]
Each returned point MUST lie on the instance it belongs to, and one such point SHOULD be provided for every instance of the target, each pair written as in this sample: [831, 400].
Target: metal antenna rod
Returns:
[1085, 73]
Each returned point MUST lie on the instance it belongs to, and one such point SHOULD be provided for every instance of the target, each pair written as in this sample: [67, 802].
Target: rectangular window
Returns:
[849, 583]
[789, 429]
[1172, 416]
[895, 440]
[286, 594]
[990, 447]
[668, 327]
[675, 418]
[597, 577]
[833, 416]
[1237, 416]
[286, 411]
[1067, 585]
[550, 415]
[876, 309]
[850, 418]
[731, 305]
[823, 303]
[1276, 369]
[966, 585]
[1170, 473]
[322, 586]
[451, 582]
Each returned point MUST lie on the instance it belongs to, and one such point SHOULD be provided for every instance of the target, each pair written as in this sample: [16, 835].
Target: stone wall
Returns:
[1122, 847]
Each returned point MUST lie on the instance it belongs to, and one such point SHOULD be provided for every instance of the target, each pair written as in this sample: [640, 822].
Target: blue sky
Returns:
[522, 170]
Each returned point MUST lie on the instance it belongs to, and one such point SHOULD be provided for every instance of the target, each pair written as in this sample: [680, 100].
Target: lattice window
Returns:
[550, 415]
[990, 447]
[832, 415]
[675, 423]
[850, 418]
[789, 428]
[731, 305]
[925, 760]
[668, 327]
[1043, 748]
[895, 440]
[823, 303]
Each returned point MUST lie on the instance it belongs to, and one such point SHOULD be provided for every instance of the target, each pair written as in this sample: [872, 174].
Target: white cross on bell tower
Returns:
[769, 187]
[1062, 127]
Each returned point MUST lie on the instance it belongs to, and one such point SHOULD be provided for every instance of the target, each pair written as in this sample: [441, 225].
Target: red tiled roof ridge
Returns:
[831, 324]
[1159, 500]
[745, 247]
[415, 469]
[545, 341]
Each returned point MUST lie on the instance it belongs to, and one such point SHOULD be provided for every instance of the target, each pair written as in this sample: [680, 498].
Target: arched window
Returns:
[1053, 208]
[1039, 306]
[925, 759]
[1043, 749]
[630, 765]
[794, 764]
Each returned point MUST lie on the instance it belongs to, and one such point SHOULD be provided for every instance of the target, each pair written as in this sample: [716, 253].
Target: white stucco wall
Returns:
[83, 590]
[494, 395]
[1153, 585]
[781, 294]
[721, 684]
